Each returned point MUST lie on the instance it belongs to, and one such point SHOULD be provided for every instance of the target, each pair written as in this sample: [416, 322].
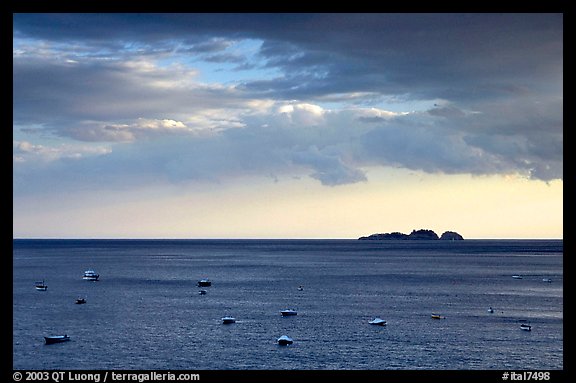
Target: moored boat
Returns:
[90, 275]
[525, 327]
[80, 301]
[285, 340]
[204, 283]
[41, 286]
[56, 339]
[378, 322]
[437, 316]
[228, 320]
[288, 312]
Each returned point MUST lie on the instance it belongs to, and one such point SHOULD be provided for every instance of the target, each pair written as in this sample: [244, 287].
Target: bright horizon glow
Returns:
[234, 210]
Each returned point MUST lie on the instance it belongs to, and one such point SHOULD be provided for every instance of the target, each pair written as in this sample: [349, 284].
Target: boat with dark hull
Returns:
[285, 340]
[288, 312]
[56, 339]
[41, 286]
[204, 283]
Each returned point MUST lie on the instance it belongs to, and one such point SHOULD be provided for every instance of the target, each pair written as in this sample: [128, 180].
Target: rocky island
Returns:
[422, 234]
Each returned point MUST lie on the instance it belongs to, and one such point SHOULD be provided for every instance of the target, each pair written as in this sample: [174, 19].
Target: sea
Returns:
[146, 313]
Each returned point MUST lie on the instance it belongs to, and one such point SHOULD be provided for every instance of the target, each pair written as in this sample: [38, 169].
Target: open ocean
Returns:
[145, 312]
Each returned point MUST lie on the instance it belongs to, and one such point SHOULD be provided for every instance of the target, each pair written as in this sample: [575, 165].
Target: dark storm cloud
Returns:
[426, 55]
[93, 77]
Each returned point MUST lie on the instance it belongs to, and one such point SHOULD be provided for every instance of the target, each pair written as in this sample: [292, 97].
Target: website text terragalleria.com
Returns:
[154, 376]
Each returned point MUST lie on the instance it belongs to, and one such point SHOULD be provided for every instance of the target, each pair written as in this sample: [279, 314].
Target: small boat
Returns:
[202, 292]
[56, 339]
[204, 283]
[548, 280]
[300, 288]
[378, 322]
[490, 310]
[285, 340]
[525, 327]
[90, 275]
[437, 316]
[288, 312]
[517, 276]
[228, 320]
[80, 301]
[41, 286]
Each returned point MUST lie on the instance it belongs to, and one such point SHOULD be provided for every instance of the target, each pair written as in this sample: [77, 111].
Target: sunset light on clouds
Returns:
[287, 125]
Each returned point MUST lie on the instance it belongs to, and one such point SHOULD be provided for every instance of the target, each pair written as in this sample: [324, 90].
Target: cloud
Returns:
[131, 83]
[56, 167]
[302, 114]
[24, 151]
[496, 139]
[141, 128]
[115, 101]
[329, 166]
[333, 147]
[96, 90]
[424, 55]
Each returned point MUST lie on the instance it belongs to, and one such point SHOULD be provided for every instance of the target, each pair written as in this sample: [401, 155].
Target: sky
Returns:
[299, 125]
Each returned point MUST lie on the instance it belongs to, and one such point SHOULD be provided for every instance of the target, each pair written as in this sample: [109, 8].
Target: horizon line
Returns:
[264, 238]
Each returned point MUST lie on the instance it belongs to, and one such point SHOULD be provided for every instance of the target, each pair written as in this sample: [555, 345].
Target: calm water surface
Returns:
[145, 312]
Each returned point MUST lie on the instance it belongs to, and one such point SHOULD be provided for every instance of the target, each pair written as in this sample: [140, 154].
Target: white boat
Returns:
[90, 275]
[517, 276]
[204, 283]
[490, 310]
[202, 292]
[41, 286]
[437, 316]
[285, 340]
[300, 288]
[228, 320]
[378, 322]
[525, 327]
[548, 280]
[56, 339]
[288, 312]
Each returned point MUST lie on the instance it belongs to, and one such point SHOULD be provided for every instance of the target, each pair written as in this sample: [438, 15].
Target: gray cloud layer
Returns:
[130, 80]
